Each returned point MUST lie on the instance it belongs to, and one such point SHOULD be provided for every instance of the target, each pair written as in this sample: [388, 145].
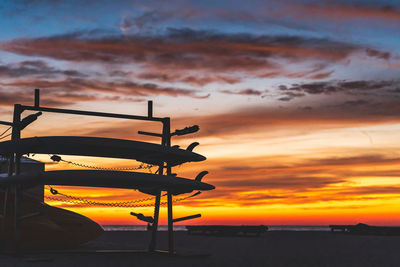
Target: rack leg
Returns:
[17, 202]
[5, 221]
[170, 225]
[152, 244]
[9, 226]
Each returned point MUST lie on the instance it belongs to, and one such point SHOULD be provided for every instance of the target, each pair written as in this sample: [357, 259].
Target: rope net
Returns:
[123, 204]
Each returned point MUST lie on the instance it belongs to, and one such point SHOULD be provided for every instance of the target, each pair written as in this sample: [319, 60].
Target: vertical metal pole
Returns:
[154, 229]
[7, 205]
[164, 141]
[166, 135]
[5, 221]
[37, 98]
[16, 190]
[167, 142]
[152, 245]
[170, 225]
[11, 197]
[150, 109]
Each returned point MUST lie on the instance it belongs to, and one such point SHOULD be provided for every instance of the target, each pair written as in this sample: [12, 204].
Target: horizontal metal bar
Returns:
[93, 113]
[186, 218]
[151, 134]
[143, 218]
[6, 123]
[186, 130]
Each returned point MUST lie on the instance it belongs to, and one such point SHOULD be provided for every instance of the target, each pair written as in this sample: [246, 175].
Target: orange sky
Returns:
[298, 172]
[297, 101]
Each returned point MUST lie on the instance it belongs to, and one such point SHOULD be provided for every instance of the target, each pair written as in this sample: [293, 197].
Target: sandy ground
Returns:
[271, 249]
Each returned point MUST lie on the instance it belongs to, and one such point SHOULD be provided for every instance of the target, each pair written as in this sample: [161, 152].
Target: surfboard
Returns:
[52, 228]
[101, 147]
[110, 179]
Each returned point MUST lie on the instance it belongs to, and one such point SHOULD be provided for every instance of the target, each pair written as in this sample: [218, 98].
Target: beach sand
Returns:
[275, 248]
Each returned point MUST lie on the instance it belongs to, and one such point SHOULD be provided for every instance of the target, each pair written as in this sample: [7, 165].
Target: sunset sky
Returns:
[298, 101]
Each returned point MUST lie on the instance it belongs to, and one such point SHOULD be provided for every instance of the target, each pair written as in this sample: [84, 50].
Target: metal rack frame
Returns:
[13, 192]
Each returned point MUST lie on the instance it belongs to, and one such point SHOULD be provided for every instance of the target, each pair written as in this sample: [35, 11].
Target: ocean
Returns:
[183, 228]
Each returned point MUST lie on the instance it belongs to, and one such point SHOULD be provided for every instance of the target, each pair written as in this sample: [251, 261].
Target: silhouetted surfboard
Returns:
[101, 147]
[52, 227]
[110, 179]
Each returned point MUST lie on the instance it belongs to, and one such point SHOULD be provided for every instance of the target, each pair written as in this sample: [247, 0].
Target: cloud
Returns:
[273, 179]
[10, 97]
[195, 79]
[343, 12]
[370, 190]
[118, 90]
[308, 181]
[153, 20]
[149, 20]
[244, 92]
[186, 49]
[243, 121]
[294, 183]
[35, 68]
[357, 88]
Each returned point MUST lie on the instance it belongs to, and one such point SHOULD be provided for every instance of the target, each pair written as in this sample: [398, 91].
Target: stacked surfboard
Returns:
[62, 223]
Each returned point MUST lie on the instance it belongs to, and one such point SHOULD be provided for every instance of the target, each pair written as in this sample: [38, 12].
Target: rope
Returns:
[5, 131]
[142, 166]
[123, 204]
[1, 138]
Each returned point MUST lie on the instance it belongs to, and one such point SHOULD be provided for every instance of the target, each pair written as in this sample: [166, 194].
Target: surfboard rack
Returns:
[143, 218]
[192, 146]
[13, 192]
[186, 130]
[201, 175]
[28, 120]
[187, 218]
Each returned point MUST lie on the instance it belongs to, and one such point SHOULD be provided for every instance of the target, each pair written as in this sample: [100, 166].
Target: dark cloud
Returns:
[11, 97]
[284, 183]
[119, 73]
[124, 87]
[324, 163]
[154, 19]
[188, 78]
[148, 21]
[360, 87]
[244, 92]
[370, 190]
[186, 49]
[354, 103]
[144, 21]
[378, 54]
[35, 68]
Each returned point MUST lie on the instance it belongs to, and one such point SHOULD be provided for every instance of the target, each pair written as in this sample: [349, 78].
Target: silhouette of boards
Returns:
[101, 147]
[51, 227]
[145, 182]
